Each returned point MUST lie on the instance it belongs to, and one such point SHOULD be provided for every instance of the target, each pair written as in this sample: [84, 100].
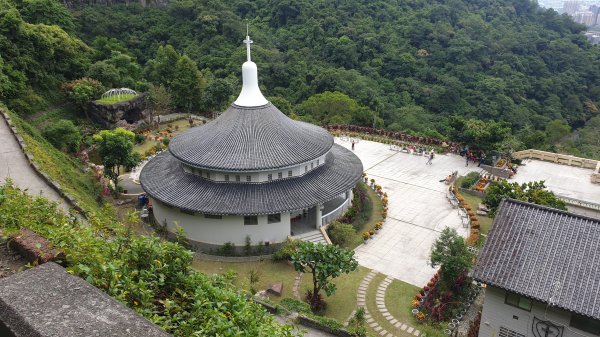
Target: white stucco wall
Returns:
[259, 176]
[497, 314]
[227, 229]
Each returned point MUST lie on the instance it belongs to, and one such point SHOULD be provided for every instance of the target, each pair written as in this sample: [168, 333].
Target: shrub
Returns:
[63, 135]
[470, 179]
[341, 233]
[286, 251]
[139, 138]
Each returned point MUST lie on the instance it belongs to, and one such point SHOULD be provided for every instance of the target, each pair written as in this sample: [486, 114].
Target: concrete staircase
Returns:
[315, 237]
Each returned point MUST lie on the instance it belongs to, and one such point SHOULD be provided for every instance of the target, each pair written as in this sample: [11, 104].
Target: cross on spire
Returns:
[248, 42]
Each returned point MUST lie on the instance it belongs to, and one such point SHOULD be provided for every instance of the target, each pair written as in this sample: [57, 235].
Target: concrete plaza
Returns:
[418, 209]
[565, 181]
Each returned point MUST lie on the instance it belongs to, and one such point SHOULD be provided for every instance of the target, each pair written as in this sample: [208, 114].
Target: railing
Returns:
[580, 203]
[336, 213]
[556, 158]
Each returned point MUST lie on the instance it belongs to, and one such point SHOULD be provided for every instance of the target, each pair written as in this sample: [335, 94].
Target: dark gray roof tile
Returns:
[545, 254]
[163, 178]
[250, 139]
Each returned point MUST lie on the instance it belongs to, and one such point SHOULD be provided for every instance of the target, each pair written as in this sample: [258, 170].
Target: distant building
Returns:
[572, 7]
[542, 270]
[585, 18]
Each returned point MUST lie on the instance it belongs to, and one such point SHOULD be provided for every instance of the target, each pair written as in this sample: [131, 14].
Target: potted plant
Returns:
[415, 311]
[377, 227]
[420, 317]
[366, 236]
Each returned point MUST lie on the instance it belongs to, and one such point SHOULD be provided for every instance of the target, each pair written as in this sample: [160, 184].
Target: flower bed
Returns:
[435, 306]
[473, 221]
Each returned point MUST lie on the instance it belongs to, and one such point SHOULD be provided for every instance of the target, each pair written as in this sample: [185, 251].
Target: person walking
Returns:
[430, 158]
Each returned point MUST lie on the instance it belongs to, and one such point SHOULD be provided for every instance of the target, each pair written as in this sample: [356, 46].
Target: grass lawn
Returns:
[269, 272]
[339, 306]
[398, 298]
[116, 99]
[485, 221]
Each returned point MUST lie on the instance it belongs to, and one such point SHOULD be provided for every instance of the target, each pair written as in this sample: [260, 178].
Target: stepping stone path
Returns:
[296, 287]
[380, 301]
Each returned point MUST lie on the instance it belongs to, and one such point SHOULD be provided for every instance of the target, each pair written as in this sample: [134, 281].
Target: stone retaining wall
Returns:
[69, 200]
[558, 158]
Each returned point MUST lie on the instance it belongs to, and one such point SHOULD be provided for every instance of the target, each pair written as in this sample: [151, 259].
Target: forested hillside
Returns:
[405, 65]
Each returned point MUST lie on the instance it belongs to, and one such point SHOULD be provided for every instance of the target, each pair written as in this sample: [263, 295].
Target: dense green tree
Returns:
[80, 92]
[324, 262]
[534, 192]
[188, 84]
[336, 108]
[160, 100]
[64, 135]
[478, 134]
[450, 252]
[48, 12]
[217, 93]
[115, 148]
[556, 130]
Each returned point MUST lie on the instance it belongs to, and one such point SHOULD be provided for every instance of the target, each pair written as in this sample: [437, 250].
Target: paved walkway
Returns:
[15, 166]
[564, 180]
[418, 209]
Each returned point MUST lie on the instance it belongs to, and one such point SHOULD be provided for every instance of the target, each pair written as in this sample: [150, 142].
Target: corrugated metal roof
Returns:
[250, 139]
[545, 254]
[164, 179]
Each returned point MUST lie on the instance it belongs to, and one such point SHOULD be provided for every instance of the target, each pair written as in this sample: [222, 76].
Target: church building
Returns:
[252, 173]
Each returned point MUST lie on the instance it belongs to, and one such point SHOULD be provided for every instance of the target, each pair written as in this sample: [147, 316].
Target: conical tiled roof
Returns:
[251, 139]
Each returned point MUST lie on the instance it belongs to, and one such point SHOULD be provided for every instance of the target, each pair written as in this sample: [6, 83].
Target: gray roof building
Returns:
[252, 160]
[251, 139]
[545, 254]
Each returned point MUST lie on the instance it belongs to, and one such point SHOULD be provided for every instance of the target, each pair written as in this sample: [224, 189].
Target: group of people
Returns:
[472, 156]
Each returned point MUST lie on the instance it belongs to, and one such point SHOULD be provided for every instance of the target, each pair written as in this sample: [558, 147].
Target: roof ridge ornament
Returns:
[250, 96]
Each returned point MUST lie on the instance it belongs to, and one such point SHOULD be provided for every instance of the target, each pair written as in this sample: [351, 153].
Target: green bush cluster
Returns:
[341, 233]
[153, 278]
[470, 179]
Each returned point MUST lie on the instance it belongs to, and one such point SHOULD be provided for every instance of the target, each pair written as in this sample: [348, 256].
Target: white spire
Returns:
[250, 95]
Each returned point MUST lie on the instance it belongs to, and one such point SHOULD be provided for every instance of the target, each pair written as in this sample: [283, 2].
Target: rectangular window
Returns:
[279, 175]
[227, 177]
[274, 218]
[312, 166]
[237, 178]
[305, 168]
[289, 173]
[518, 301]
[270, 177]
[318, 160]
[248, 178]
[250, 220]
[213, 216]
[504, 332]
[207, 175]
[585, 324]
